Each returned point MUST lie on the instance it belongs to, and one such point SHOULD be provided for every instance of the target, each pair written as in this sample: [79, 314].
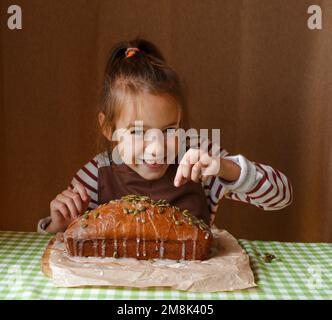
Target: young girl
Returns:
[139, 85]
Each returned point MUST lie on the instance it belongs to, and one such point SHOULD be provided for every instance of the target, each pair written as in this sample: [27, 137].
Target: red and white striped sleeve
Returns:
[261, 185]
[271, 189]
[88, 177]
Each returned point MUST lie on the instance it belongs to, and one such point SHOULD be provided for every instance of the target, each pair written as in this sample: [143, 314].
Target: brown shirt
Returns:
[117, 180]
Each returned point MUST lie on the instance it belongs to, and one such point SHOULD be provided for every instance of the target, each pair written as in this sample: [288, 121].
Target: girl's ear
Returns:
[106, 131]
[101, 118]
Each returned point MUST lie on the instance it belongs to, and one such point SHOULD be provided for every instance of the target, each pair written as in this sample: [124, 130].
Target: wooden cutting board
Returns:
[45, 260]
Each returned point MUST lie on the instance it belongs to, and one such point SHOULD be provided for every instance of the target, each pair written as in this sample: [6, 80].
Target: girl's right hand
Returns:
[67, 206]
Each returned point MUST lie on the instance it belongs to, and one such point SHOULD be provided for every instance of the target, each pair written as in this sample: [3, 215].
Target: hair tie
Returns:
[130, 52]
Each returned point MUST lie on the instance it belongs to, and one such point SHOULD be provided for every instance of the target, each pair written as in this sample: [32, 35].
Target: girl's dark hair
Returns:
[146, 70]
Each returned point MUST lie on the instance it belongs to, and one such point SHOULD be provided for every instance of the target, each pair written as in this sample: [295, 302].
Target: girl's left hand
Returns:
[196, 165]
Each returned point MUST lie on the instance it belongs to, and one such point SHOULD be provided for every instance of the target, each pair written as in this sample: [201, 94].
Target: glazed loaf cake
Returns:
[138, 227]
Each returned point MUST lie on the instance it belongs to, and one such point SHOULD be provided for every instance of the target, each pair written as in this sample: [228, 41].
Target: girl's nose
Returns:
[158, 150]
[155, 145]
[155, 149]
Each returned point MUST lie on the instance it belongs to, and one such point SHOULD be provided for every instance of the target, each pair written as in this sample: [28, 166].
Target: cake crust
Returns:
[138, 227]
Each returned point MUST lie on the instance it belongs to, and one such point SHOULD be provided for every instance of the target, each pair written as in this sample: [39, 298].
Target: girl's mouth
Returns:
[152, 164]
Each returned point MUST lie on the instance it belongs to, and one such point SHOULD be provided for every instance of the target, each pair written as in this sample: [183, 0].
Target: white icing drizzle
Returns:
[95, 247]
[194, 249]
[115, 244]
[103, 248]
[183, 250]
[124, 245]
[194, 243]
[137, 246]
[161, 249]
[115, 240]
[80, 248]
[124, 241]
[137, 235]
[75, 246]
[150, 215]
[158, 237]
[143, 234]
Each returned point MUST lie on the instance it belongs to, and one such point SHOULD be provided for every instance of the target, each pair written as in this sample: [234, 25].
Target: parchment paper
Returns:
[227, 269]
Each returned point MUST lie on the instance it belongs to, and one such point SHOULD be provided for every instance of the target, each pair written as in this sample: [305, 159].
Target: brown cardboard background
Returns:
[252, 68]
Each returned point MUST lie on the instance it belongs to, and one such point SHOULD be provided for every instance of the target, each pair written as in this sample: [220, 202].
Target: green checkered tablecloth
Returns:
[300, 271]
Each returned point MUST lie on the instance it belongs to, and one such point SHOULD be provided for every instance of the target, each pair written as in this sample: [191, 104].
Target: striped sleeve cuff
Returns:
[247, 177]
[42, 225]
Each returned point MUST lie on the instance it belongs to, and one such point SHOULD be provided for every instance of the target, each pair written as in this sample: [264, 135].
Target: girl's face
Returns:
[144, 145]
